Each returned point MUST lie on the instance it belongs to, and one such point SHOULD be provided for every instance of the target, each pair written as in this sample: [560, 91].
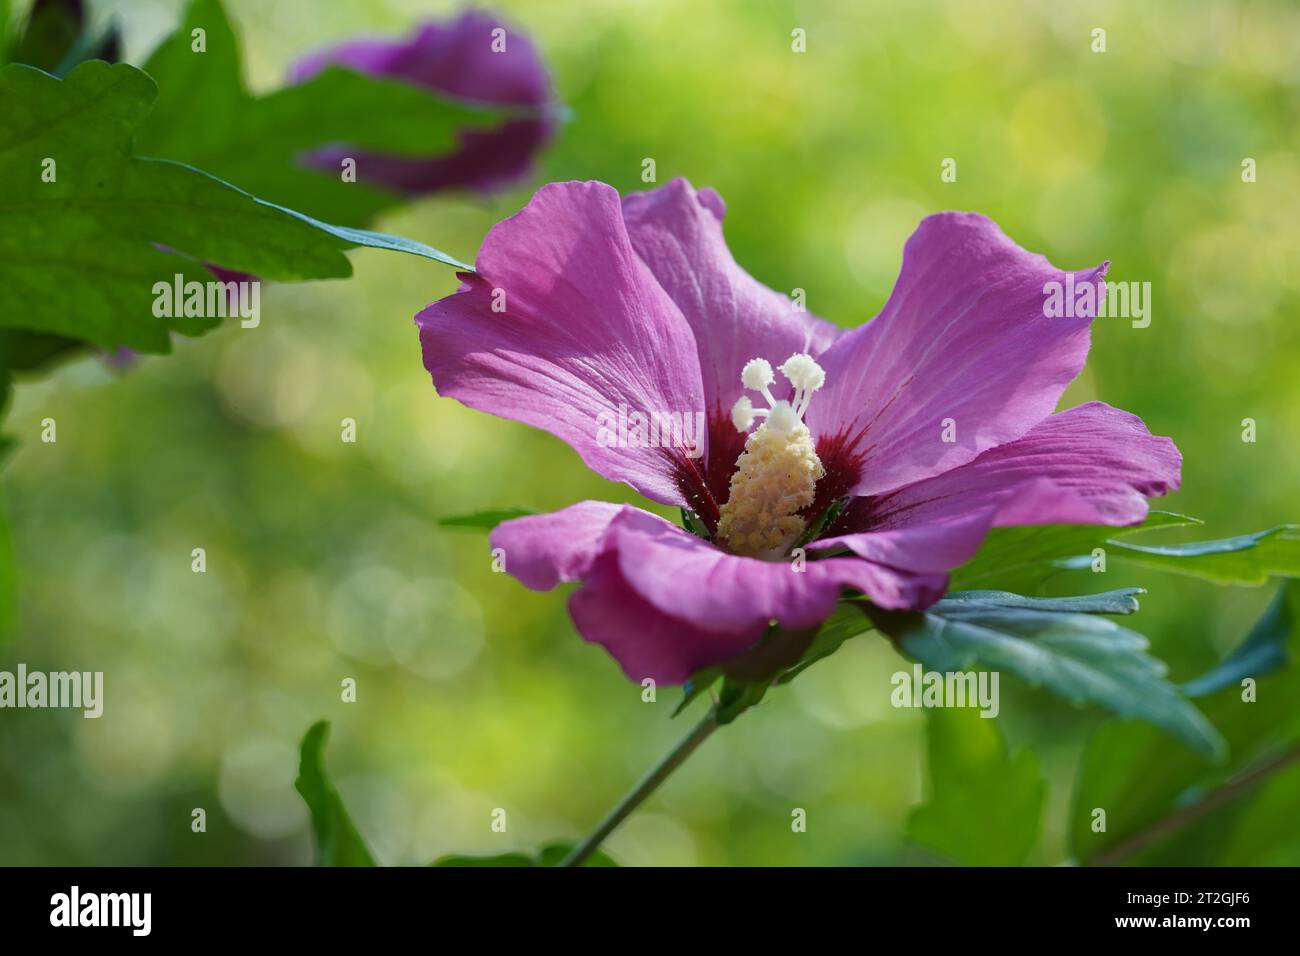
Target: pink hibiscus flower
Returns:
[883, 454]
[472, 58]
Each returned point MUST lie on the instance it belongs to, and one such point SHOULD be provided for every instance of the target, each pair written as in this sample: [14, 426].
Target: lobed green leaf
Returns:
[1084, 658]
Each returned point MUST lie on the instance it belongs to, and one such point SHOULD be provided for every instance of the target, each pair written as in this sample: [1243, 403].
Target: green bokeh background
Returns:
[325, 560]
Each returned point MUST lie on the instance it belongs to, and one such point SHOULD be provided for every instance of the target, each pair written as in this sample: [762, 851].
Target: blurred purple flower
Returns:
[457, 59]
[929, 425]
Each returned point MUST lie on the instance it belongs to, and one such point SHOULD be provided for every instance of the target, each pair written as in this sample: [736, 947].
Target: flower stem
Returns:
[1175, 821]
[649, 783]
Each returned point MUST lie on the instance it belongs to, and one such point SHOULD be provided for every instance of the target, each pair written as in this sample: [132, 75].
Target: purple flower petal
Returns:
[571, 545]
[458, 60]
[582, 330]
[718, 591]
[964, 338]
[925, 547]
[646, 641]
[666, 603]
[545, 550]
[677, 232]
[1093, 464]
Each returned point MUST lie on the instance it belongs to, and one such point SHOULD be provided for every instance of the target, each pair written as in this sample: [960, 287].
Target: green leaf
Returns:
[1122, 601]
[692, 523]
[375, 240]
[205, 116]
[1084, 658]
[984, 805]
[8, 574]
[79, 257]
[1249, 559]
[337, 841]
[23, 351]
[737, 696]
[1116, 773]
[696, 685]
[484, 520]
[822, 521]
[781, 656]
[552, 854]
[64, 268]
[4, 31]
[1262, 652]
[1021, 558]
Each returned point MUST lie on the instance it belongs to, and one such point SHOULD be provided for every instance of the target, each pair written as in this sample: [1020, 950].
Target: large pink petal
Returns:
[549, 549]
[543, 551]
[962, 337]
[1093, 464]
[686, 576]
[586, 331]
[677, 232]
[645, 640]
[666, 603]
[925, 547]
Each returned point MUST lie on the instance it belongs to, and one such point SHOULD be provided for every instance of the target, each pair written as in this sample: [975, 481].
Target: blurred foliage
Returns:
[1138, 779]
[968, 764]
[326, 560]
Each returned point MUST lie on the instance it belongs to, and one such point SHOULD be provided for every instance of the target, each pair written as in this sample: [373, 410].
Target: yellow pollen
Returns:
[777, 473]
[775, 479]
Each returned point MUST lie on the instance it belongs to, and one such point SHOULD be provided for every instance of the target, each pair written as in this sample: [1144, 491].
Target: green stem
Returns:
[649, 783]
[1230, 791]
